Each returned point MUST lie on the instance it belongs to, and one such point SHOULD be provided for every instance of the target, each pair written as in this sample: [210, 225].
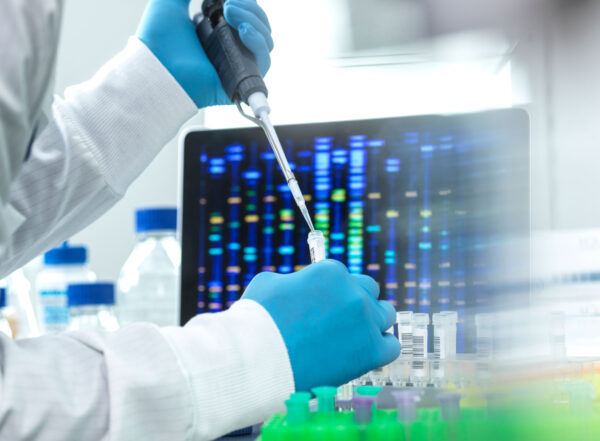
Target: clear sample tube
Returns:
[558, 347]
[484, 340]
[440, 346]
[419, 347]
[450, 321]
[316, 245]
[405, 335]
[450, 406]
[406, 401]
[381, 376]
[440, 336]
[483, 329]
[363, 408]
[343, 399]
[444, 341]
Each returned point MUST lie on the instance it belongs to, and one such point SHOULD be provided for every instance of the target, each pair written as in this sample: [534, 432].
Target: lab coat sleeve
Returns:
[29, 32]
[218, 373]
[100, 137]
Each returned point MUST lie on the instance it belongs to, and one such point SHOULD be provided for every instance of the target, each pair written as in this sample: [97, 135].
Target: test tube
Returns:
[343, 399]
[325, 399]
[406, 401]
[557, 335]
[419, 348]
[371, 391]
[450, 320]
[363, 408]
[404, 319]
[444, 340]
[450, 406]
[316, 245]
[297, 408]
[483, 329]
[440, 336]
[381, 376]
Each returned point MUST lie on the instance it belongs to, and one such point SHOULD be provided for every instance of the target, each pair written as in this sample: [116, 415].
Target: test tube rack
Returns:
[498, 421]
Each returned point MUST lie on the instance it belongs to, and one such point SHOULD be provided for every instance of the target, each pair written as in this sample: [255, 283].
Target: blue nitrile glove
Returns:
[331, 321]
[168, 31]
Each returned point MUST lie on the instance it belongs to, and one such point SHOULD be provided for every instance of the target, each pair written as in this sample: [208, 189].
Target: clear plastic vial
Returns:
[420, 331]
[484, 334]
[405, 335]
[62, 266]
[316, 246]
[148, 286]
[91, 307]
[444, 334]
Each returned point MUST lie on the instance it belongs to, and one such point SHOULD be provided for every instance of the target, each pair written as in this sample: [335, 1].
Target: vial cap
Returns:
[2, 297]
[421, 318]
[450, 316]
[404, 317]
[155, 219]
[66, 255]
[445, 318]
[80, 294]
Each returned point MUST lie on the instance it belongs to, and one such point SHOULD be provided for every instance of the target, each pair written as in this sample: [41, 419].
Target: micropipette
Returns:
[242, 82]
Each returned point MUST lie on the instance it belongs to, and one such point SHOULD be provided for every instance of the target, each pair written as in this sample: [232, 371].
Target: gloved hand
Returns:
[331, 321]
[168, 31]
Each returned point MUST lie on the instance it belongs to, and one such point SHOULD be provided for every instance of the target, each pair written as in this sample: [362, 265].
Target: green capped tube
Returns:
[297, 408]
[325, 398]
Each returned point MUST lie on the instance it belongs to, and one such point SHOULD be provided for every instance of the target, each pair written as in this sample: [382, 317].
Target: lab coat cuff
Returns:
[237, 366]
[126, 113]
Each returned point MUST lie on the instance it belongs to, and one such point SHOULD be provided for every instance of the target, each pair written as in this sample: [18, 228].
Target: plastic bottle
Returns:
[91, 307]
[62, 266]
[4, 326]
[148, 286]
[21, 312]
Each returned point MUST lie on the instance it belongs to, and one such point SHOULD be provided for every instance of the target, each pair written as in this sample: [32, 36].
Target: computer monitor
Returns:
[423, 204]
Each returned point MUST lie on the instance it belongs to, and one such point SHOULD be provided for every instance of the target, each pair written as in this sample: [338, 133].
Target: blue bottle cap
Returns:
[2, 297]
[66, 255]
[154, 219]
[80, 294]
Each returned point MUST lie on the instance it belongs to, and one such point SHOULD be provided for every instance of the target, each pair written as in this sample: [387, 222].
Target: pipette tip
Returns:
[306, 215]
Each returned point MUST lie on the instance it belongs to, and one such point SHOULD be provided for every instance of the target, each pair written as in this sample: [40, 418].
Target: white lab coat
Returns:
[219, 372]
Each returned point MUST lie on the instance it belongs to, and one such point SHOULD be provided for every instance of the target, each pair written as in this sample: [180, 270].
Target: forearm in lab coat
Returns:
[100, 137]
[29, 32]
[219, 373]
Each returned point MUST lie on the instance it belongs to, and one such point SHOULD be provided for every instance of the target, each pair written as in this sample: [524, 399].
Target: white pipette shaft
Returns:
[285, 167]
[259, 105]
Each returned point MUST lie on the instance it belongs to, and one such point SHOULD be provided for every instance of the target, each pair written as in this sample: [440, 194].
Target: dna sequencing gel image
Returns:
[422, 212]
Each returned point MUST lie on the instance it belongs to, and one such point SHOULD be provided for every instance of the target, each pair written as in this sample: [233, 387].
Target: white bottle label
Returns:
[55, 313]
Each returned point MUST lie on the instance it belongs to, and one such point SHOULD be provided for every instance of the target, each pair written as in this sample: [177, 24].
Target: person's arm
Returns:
[29, 34]
[104, 132]
[102, 135]
[219, 373]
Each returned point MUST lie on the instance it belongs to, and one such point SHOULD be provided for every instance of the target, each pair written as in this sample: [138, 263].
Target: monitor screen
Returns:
[425, 205]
